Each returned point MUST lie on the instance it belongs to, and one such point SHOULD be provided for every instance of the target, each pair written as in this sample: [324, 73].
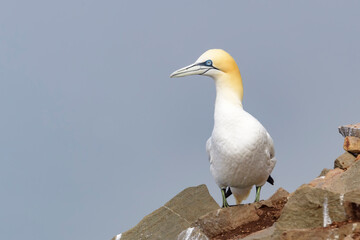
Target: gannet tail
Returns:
[240, 194]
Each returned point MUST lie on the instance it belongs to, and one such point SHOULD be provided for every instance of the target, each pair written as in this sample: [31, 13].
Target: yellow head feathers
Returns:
[221, 60]
[226, 64]
[218, 64]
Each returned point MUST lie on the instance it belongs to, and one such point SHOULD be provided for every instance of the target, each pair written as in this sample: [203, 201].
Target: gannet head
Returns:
[219, 65]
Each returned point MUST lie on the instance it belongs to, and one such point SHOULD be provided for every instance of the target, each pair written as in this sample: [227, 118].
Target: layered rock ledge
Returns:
[328, 207]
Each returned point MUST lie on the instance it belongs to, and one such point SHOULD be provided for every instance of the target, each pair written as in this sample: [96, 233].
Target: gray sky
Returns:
[94, 133]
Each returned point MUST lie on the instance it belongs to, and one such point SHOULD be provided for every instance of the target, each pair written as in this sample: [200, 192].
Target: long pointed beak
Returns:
[193, 69]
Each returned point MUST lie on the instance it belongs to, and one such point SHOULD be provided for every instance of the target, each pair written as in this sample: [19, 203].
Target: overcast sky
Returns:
[94, 134]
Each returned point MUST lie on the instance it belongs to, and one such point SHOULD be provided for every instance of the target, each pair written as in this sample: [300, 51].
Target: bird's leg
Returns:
[257, 197]
[225, 204]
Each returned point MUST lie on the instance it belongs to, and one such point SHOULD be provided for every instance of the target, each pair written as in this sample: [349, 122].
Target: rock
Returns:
[160, 224]
[350, 130]
[192, 203]
[344, 161]
[326, 208]
[347, 231]
[330, 181]
[351, 201]
[350, 179]
[352, 144]
[324, 172]
[192, 233]
[175, 216]
[117, 237]
[279, 195]
[332, 199]
[338, 180]
[310, 207]
[222, 221]
[239, 221]
[277, 200]
[265, 234]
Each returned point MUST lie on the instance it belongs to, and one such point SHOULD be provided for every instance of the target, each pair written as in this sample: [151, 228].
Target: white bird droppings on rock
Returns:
[192, 233]
[354, 226]
[218, 211]
[188, 233]
[326, 218]
[118, 236]
[341, 199]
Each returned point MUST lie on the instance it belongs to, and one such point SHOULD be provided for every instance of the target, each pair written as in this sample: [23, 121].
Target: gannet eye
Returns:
[208, 63]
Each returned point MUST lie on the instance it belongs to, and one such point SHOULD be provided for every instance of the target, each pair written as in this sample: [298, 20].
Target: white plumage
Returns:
[240, 149]
[241, 152]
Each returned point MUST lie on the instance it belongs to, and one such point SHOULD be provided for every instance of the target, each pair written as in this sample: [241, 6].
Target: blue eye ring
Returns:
[208, 63]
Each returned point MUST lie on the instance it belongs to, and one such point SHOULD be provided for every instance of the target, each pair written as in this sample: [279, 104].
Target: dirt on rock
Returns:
[268, 214]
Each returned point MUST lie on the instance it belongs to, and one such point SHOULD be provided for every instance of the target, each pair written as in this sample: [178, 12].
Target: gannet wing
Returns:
[271, 153]
[208, 148]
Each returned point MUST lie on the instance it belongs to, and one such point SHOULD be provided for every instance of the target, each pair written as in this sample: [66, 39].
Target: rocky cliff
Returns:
[326, 208]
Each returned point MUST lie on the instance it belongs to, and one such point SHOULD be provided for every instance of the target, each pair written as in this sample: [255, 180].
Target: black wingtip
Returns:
[270, 180]
[228, 193]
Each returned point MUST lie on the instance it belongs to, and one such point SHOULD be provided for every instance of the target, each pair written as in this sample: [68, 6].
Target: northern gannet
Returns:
[241, 151]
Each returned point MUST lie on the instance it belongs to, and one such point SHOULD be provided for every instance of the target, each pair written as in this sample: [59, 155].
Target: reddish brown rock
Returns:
[280, 194]
[223, 221]
[331, 181]
[338, 180]
[352, 144]
[240, 221]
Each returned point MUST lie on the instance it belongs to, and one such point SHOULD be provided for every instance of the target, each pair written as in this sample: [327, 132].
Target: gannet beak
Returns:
[193, 69]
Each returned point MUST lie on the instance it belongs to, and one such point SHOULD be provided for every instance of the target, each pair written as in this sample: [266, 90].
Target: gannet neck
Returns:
[228, 103]
[229, 87]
